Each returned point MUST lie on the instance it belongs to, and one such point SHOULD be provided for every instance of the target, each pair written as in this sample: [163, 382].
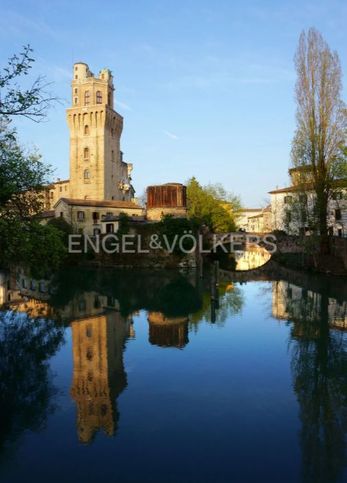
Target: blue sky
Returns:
[206, 88]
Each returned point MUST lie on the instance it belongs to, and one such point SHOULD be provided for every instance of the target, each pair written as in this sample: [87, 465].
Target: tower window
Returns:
[112, 155]
[76, 100]
[86, 129]
[76, 90]
[86, 154]
[86, 174]
[86, 98]
[98, 97]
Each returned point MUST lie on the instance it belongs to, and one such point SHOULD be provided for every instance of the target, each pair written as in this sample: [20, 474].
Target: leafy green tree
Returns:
[28, 243]
[175, 228]
[212, 205]
[23, 176]
[22, 179]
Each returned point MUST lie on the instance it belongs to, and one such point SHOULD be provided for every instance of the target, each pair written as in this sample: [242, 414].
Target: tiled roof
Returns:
[101, 204]
[289, 189]
[338, 183]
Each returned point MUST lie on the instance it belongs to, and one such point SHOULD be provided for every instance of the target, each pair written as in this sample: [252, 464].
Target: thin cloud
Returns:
[171, 135]
[15, 23]
[123, 105]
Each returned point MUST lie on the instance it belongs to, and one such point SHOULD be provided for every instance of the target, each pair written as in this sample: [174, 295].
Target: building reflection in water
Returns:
[292, 302]
[30, 296]
[168, 331]
[98, 370]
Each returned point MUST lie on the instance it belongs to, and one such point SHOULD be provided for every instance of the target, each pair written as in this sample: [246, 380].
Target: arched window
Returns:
[86, 154]
[98, 97]
[86, 98]
[86, 129]
[86, 174]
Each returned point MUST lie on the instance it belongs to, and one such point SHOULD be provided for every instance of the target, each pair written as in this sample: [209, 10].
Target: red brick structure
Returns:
[166, 199]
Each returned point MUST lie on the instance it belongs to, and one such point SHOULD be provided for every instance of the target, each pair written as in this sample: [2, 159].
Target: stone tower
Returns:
[97, 170]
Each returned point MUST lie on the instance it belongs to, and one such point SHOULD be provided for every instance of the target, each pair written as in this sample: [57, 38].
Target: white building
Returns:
[292, 207]
[254, 220]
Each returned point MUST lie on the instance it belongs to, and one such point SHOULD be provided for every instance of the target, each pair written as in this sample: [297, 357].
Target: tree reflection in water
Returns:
[319, 366]
[26, 387]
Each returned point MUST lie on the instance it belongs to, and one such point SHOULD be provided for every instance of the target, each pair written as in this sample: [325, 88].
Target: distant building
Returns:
[260, 223]
[243, 216]
[254, 220]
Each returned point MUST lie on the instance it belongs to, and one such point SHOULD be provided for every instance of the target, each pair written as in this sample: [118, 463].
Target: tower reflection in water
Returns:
[98, 370]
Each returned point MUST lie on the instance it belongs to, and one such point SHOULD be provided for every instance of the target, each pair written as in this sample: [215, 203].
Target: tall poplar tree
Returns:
[318, 144]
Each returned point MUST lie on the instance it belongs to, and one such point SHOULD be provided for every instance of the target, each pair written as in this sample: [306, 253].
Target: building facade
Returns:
[293, 207]
[254, 220]
[90, 216]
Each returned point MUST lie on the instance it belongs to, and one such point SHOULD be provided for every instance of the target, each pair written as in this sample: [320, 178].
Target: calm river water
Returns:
[135, 377]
